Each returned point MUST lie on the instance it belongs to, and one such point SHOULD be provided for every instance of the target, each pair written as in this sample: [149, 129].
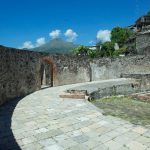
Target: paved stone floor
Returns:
[43, 121]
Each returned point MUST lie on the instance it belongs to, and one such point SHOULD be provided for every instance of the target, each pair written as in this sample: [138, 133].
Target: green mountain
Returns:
[56, 46]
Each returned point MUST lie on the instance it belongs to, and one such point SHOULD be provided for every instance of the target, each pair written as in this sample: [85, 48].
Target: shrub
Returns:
[81, 50]
[107, 49]
[120, 51]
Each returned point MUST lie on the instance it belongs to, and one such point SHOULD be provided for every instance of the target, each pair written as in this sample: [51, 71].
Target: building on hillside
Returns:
[140, 42]
[142, 22]
[96, 47]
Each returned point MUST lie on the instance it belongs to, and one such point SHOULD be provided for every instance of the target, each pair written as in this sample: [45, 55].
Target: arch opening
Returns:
[46, 73]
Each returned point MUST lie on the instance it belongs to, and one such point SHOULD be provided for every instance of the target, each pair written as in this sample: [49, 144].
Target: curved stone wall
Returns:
[20, 70]
[19, 73]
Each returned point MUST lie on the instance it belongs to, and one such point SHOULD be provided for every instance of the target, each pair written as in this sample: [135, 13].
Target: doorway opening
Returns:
[46, 73]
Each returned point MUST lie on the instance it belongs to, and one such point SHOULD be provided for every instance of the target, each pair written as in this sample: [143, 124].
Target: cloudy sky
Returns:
[31, 23]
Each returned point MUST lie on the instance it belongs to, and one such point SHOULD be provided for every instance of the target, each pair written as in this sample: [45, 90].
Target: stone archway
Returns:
[47, 71]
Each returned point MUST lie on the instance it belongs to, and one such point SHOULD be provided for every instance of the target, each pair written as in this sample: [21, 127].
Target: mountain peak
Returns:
[56, 46]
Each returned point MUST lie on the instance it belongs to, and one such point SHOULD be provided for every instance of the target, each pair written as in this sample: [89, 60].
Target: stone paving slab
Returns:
[44, 121]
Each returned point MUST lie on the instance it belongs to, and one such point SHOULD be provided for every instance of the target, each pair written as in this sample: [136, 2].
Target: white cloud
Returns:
[40, 41]
[92, 42]
[28, 45]
[104, 35]
[55, 34]
[70, 35]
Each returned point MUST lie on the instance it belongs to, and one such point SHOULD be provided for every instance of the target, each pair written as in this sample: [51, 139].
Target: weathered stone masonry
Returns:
[21, 71]
[69, 69]
[143, 42]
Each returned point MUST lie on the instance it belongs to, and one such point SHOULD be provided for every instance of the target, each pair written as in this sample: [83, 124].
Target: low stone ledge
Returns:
[103, 89]
[124, 89]
[100, 89]
[75, 95]
[136, 75]
[143, 79]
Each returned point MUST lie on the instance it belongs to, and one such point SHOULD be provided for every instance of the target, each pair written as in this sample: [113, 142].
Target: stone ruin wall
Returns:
[143, 42]
[81, 69]
[69, 69]
[20, 71]
[108, 68]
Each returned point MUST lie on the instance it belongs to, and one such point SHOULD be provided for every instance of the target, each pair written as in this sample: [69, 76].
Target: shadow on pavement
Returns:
[7, 139]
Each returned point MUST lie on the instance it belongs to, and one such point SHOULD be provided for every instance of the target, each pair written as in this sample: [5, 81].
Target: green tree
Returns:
[107, 49]
[148, 13]
[92, 53]
[84, 51]
[81, 50]
[120, 35]
[120, 51]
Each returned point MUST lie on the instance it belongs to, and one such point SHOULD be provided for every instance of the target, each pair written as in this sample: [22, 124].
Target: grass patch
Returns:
[127, 108]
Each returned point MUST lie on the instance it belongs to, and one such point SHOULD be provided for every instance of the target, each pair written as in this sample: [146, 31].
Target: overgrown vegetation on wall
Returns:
[84, 51]
[107, 49]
